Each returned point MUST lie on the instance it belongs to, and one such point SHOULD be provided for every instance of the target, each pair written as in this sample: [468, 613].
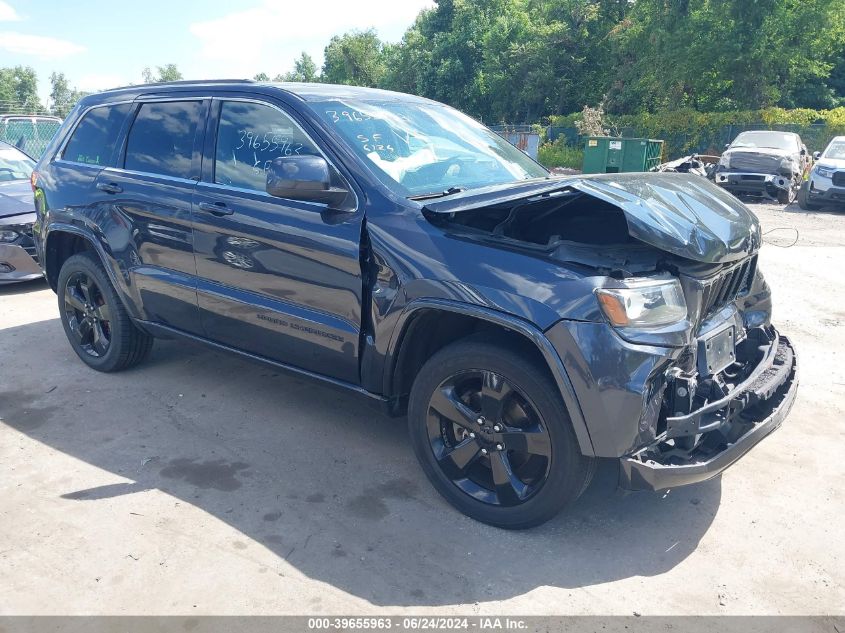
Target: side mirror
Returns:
[817, 155]
[306, 178]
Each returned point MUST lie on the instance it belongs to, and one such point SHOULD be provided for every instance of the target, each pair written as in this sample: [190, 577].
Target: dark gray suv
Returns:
[392, 247]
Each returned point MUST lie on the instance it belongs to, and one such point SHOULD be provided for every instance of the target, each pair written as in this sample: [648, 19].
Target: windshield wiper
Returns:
[437, 194]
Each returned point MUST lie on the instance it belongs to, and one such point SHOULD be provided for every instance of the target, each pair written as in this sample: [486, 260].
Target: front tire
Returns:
[804, 198]
[96, 323]
[492, 434]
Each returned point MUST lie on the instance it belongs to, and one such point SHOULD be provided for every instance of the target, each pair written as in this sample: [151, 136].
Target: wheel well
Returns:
[61, 245]
[430, 330]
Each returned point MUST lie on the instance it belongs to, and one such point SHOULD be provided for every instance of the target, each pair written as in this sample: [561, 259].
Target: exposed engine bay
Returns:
[730, 360]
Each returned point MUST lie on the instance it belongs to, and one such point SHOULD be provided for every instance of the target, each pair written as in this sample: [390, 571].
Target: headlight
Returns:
[788, 164]
[8, 236]
[725, 161]
[825, 172]
[643, 303]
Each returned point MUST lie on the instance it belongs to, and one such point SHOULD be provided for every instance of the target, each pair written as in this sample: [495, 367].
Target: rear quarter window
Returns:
[161, 140]
[93, 141]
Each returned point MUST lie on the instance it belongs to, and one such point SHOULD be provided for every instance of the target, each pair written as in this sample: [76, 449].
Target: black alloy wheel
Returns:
[87, 314]
[95, 321]
[488, 438]
[490, 429]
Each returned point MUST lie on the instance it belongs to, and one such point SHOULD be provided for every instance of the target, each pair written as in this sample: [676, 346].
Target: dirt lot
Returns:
[199, 483]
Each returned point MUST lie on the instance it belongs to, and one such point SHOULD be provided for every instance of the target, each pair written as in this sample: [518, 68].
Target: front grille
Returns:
[839, 178]
[755, 163]
[728, 286]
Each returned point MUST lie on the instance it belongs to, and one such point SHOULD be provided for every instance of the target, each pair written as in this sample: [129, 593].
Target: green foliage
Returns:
[559, 154]
[62, 96]
[687, 131]
[354, 58]
[19, 90]
[168, 72]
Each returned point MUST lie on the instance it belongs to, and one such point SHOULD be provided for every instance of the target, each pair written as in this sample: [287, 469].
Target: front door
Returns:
[277, 278]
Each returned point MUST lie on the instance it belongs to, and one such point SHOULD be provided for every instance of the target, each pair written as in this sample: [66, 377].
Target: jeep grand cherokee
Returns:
[393, 247]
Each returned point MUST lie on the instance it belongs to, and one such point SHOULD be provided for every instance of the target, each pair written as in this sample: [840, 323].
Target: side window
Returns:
[94, 138]
[161, 140]
[249, 137]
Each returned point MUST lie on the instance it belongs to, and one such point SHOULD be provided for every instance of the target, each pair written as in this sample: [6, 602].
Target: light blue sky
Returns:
[100, 44]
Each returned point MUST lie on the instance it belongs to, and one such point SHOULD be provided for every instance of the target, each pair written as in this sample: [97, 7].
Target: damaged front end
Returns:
[678, 371]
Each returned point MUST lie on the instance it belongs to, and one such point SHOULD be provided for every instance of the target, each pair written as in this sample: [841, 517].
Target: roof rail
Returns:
[184, 82]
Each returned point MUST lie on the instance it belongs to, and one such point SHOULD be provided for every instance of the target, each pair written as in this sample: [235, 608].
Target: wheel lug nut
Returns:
[500, 447]
[497, 428]
[483, 451]
[480, 420]
[472, 435]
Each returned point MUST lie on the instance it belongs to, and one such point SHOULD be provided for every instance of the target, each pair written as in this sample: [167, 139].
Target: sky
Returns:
[101, 44]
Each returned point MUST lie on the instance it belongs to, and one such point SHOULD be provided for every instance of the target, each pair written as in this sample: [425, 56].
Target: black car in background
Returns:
[392, 247]
[17, 213]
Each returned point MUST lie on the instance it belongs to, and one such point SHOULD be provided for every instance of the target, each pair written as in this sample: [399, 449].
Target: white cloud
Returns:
[8, 13]
[37, 45]
[270, 35]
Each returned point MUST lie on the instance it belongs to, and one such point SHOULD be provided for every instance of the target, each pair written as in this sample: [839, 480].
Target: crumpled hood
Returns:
[766, 160]
[682, 214]
[16, 198]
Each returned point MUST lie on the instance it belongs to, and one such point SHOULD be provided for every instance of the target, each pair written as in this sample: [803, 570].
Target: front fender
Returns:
[520, 326]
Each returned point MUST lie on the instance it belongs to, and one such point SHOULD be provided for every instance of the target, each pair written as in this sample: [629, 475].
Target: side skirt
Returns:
[378, 401]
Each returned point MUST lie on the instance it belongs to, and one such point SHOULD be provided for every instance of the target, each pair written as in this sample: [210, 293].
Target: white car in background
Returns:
[826, 184]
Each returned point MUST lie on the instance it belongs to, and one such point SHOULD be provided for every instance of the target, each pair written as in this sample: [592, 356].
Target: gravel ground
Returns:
[199, 483]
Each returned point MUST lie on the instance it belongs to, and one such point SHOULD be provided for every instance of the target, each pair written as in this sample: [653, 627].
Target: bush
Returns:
[559, 154]
[686, 131]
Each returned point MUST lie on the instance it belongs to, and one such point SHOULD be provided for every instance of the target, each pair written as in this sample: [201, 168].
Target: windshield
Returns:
[426, 148]
[775, 140]
[836, 150]
[14, 164]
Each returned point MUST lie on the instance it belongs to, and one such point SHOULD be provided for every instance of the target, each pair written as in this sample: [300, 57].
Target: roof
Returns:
[305, 91]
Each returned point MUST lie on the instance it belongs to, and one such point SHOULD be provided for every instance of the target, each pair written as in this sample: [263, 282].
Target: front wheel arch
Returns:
[480, 321]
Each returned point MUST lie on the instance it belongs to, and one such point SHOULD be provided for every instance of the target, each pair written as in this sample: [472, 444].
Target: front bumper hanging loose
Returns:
[740, 420]
[754, 184]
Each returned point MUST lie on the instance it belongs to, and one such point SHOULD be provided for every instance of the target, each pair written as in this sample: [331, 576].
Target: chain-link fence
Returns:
[30, 133]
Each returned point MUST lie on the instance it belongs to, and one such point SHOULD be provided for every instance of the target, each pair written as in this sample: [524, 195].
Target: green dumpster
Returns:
[608, 155]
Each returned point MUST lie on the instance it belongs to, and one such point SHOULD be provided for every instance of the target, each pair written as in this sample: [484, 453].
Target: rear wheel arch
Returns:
[60, 246]
[427, 326]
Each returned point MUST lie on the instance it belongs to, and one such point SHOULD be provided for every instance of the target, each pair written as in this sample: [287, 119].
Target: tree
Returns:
[168, 72]
[62, 96]
[355, 58]
[724, 55]
[19, 90]
[262, 77]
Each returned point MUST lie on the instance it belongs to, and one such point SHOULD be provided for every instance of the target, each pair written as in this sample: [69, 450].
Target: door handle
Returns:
[109, 187]
[217, 208]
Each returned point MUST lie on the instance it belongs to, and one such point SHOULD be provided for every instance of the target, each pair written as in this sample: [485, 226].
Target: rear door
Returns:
[151, 186]
[278, 278]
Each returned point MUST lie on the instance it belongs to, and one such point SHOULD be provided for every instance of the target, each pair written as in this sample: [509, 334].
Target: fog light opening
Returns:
[6, 267]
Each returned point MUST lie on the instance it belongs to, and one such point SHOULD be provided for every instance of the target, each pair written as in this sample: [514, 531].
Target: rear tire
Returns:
[474, 396]
[96, 323]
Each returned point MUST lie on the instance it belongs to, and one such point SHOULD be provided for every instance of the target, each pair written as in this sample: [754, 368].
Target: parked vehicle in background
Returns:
[29, 133]
[764, 163]
[826, 183]
[17, 214]
[393, 247]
